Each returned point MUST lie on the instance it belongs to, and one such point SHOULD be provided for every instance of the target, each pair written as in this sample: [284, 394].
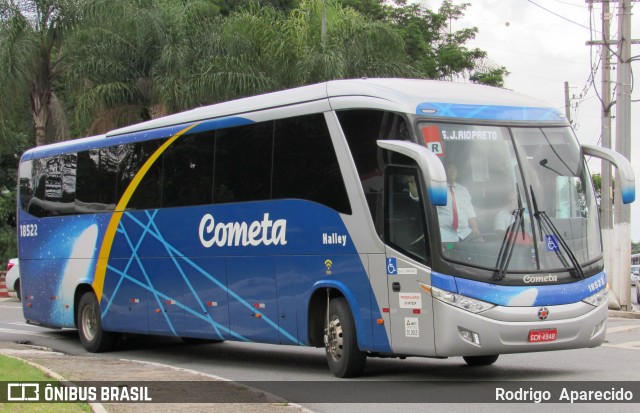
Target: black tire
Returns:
[341, 344]
[94, 339]
[480, 360]
[17, 290]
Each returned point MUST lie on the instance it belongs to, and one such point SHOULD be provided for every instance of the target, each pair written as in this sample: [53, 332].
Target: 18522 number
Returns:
[29, 230]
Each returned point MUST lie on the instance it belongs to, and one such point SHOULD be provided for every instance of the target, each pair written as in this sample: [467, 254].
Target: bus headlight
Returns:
[466, 303]
[598, 298]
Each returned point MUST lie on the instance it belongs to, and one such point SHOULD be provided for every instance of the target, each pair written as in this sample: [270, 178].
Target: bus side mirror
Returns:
[430, 165]
[625, 171]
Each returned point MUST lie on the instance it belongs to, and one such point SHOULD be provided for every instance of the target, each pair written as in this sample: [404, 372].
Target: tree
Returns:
[31, 34]
[151, 58]
[132, 60]
[436, 51]
[227, 7]
[349, 45]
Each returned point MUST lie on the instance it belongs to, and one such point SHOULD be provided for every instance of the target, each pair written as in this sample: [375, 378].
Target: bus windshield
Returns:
[519, 199]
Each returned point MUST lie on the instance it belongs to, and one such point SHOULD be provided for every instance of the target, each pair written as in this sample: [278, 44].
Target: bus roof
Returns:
[417, 96]
[403, 94]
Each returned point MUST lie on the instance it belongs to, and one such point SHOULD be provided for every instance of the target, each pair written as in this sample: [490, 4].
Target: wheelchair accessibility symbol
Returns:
[552, 243]
[392, 267]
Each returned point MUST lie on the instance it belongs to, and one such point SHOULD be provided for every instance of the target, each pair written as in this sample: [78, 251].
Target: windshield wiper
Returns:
[509, 240]
[545, 222]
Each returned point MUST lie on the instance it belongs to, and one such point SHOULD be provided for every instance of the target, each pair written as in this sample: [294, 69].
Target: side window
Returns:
[188, 171]
[96, 180]
[363, 128]
[69, 171]
[242, 170]
[148, 192]
[405, 227]
[53, 186]
[27, 184]
[305, 163]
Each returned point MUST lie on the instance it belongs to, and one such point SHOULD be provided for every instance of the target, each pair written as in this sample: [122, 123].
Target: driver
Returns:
[458, 218]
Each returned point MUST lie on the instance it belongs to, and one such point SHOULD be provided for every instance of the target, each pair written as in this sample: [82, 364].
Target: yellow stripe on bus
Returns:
[107, 242]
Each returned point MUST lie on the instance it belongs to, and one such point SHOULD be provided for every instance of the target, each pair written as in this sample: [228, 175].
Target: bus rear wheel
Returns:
[94, 339]
[340, 342]
[480, 360]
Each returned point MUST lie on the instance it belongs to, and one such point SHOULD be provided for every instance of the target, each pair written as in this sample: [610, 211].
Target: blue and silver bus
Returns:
[371, 217]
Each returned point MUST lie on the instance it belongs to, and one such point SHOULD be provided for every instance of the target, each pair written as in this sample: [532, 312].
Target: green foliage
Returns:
[597, 182]
[12, 370]
[84, 67]
[32, 33]
[155, 57]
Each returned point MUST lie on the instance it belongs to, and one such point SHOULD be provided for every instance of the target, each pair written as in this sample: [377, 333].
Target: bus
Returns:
[322, 216]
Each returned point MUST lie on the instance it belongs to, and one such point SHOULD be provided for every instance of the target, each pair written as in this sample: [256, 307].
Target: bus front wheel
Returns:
[480, 360]
[94, 339]
[340, 342]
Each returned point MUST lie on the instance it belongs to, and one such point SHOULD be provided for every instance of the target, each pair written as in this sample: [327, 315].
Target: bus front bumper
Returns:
[503, 330]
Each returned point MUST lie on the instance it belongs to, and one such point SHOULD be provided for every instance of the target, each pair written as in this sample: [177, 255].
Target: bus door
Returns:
[407, 255]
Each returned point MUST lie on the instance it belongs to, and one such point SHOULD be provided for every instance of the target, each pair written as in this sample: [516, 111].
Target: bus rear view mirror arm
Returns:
[625, 171]
[429, 163]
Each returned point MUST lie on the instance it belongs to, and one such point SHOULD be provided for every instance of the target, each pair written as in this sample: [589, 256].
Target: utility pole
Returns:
[616, 231]
[567, 102]
[605, 129]
[622, 213]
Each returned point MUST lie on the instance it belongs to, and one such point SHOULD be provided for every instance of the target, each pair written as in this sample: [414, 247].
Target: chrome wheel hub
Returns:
[89, 322]
[333, 340]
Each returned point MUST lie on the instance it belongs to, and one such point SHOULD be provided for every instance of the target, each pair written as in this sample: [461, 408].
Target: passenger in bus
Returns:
[506, 217]
[458, 218]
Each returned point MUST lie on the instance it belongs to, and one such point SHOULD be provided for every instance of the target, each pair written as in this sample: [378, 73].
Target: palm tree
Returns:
[334, 42]
[132, 59]
[112, 53]
[245, 54]
[31, 61]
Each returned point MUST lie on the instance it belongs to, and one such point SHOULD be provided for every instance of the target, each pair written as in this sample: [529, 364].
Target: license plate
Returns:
[541, 336]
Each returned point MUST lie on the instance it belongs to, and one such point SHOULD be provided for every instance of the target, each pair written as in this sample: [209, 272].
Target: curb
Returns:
[95, 407]
[4, 291]
[624, 314]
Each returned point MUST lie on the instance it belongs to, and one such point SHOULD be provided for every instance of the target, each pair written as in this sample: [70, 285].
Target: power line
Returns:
[558, 15]
[571, 4]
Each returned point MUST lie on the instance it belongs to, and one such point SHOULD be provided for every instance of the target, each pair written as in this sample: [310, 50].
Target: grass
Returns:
[12, 370]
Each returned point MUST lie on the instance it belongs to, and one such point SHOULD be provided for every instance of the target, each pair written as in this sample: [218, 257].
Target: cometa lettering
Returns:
[540, 278]
[235, 234]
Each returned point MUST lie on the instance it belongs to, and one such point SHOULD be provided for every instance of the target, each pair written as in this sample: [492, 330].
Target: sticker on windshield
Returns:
[470, 135]
[552, 243]
[431, 135]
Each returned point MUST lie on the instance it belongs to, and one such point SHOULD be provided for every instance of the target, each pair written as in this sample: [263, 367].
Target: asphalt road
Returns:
[617, 360]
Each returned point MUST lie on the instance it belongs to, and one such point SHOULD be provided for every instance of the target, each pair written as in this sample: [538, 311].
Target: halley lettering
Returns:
[334, 238]
[234, 234]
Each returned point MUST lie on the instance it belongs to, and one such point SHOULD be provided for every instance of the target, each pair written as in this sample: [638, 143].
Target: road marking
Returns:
[23, 324]
[23, 332]
[13, 307]
[630, 345]
[622, 328]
